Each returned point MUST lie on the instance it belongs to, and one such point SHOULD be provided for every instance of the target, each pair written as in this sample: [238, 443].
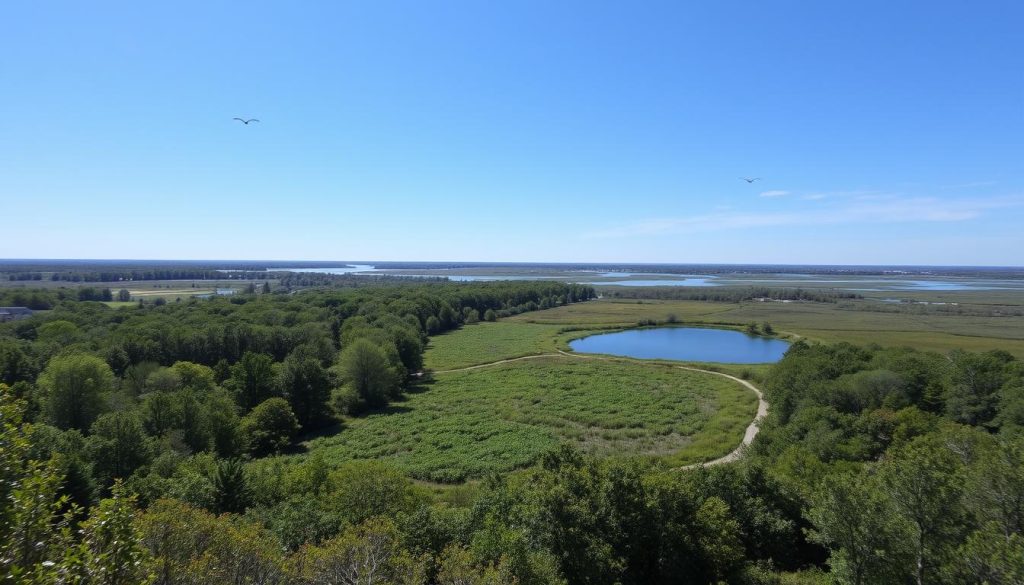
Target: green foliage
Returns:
[488, 342]
[118, 445]
[195, 376]
[366, 368]
[74, 387]
[467, 424]
[109, 552]
[37, 543]
[433, 325]
[882, 465]
[192, 546]
[346, 400]
[368, 553]
[269, 427]
[973, 393]
[608, 522]
[307, 386]
[253, 380]
[363, 489]
[58, 332]
[869, 539]
[231, 487]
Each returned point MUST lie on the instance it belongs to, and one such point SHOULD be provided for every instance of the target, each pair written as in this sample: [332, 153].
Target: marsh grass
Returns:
[501, 418]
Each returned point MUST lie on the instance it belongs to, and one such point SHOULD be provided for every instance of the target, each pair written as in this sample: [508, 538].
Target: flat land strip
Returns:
[488, 342]
[828, 322]
[500, 418]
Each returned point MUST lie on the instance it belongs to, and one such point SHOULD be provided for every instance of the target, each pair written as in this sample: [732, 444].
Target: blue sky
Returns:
[884, 132]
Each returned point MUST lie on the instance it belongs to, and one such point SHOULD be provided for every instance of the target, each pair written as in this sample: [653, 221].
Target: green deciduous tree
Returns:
[253, 379]
[74, 387]
[855, 518]
[369, 553]
[925, 482]
[195, 376]
[118, 445]
[366, 368]
[307, 386]
[269, 427]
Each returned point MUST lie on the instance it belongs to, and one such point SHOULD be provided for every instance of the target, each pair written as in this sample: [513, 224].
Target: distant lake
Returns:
[685, 344]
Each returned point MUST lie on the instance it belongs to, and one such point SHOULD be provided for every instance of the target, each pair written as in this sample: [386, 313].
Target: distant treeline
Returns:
[895, 271]
[730, 295]
[149, 274]
[309, 279]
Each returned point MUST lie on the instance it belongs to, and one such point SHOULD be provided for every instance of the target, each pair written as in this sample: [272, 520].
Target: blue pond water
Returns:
[685, 344]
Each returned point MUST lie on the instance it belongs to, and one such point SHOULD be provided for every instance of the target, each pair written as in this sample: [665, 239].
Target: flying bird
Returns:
[744, 178]
[244, 121]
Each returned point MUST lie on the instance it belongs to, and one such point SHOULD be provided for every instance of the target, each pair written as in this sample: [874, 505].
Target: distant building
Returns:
[14, 313]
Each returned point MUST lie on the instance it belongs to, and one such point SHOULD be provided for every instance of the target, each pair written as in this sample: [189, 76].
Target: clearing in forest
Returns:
[467, 424]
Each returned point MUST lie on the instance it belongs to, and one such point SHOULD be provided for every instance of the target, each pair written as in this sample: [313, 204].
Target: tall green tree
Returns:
[74, 387]
[253, 379]
[269, 427]
[307, 386]
[855, 518]
[365, 366]
[925, 481]
[118, 445]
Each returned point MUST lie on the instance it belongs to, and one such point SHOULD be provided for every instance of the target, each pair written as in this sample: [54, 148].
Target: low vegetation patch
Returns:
[467, 424]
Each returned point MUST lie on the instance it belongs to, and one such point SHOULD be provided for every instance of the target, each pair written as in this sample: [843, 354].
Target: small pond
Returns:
[685, 344]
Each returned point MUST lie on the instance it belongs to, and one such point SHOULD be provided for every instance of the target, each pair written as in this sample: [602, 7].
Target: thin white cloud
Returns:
[775, 193]
[892, 210]
[815, 196]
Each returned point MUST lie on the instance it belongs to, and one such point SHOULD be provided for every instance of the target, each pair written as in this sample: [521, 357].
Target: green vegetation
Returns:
[467, 424]
[852, 321]
[159, 443]
[488, 342]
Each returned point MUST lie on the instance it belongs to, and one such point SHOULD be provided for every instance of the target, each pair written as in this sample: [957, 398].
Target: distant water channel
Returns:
[685, 344]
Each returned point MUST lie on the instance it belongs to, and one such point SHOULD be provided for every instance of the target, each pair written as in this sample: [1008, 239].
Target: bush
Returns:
[346, 400]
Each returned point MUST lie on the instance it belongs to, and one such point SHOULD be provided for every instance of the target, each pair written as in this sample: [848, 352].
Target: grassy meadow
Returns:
[487, 342]
[856, 322]
[467, 424]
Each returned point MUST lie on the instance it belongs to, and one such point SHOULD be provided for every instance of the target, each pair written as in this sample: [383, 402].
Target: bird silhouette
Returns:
[744, 178]
[244, 121]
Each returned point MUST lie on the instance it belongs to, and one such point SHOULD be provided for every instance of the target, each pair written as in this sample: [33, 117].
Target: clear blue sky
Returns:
[884, 132]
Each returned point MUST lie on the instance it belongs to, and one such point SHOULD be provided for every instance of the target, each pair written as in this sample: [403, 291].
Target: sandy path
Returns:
[748, 437]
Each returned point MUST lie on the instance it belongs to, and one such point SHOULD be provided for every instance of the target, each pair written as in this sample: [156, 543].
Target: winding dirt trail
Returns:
[748, 437]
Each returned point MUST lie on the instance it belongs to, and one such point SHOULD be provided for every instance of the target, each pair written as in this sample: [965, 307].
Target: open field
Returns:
[467, 424]
[169, 290]
[829, 322]
[487, 342]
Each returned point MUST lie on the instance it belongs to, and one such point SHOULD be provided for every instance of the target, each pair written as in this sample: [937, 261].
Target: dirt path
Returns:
[748, 437]
[752, 429]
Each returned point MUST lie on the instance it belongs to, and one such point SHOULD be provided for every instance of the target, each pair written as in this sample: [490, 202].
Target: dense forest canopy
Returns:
[138, 445]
